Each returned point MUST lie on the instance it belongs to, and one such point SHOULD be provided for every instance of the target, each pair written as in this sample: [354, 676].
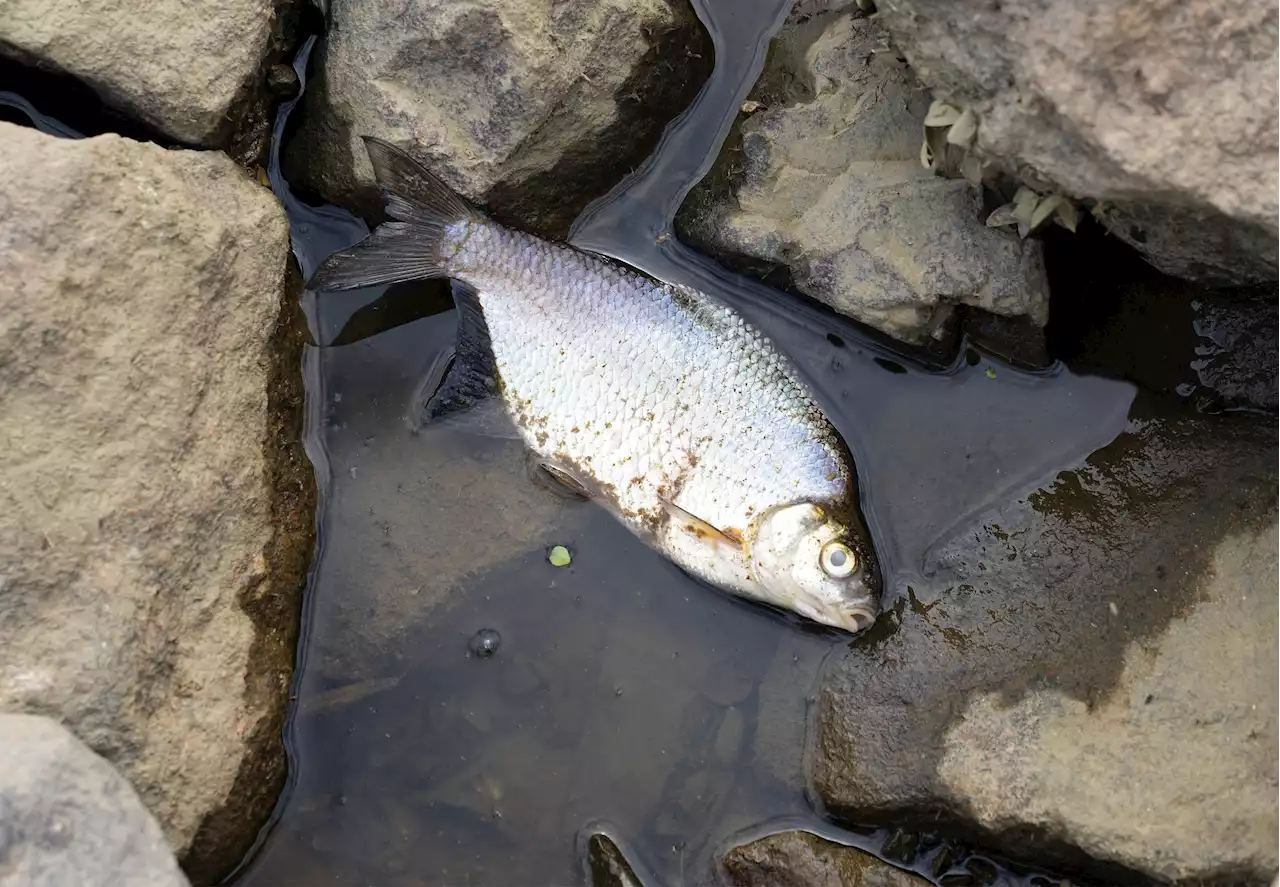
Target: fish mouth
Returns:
[852, 618]
[859, 617]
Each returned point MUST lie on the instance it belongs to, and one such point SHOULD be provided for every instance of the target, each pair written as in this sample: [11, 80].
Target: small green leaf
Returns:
[926, 155]
[1002, 215]
[941, 114]
[1067, 216]
[1045, 208]
[991, 373]
[559, 556]
[964, 130]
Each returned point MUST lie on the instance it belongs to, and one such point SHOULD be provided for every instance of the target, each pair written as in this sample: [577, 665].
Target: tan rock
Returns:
[138, 290]
[801, 859]
[1051, 760]
[827, 182]
[1164, 110]
[533, 108]
[1085, 676]
[180, 67]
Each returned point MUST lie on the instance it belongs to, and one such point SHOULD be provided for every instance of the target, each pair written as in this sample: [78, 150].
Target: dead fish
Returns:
[656, 400]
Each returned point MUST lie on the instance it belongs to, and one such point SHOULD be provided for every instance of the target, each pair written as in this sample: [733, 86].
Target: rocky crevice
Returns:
[274, 604]
[820, 187]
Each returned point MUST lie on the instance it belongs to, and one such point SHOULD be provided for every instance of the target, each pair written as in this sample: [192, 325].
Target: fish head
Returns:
[805, 560]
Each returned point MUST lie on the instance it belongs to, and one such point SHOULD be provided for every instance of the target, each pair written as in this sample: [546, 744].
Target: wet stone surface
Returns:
[1080, 658]
[799, 859]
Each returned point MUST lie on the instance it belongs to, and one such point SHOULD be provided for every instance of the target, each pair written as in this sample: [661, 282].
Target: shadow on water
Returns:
[466, 712]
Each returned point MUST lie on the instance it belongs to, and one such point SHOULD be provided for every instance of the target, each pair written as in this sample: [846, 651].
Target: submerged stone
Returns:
[1086, 674]
[484, 643]
[801, 859]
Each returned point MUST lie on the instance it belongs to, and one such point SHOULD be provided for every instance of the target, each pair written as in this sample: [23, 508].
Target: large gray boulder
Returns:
[1164, 112]
[825, 180]
[1086, 674]
[530, 107]
[186, 71]
[148, 597]
[67, 817]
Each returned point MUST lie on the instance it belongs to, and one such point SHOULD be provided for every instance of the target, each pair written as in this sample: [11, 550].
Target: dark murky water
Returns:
[621, 696]
[615, 694]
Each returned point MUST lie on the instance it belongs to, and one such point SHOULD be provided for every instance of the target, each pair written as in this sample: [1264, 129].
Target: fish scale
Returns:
[554, 312]
[656, 400]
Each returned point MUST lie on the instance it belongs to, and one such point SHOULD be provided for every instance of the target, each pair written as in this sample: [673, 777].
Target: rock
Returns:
[68, 816]
[607, 864]
[1237, 355]
[149, 593]
[186, 72]
[1086, 675]
[801, 859]
[1163, 112]
[826, 180]
[531, 108]
[1117, 316]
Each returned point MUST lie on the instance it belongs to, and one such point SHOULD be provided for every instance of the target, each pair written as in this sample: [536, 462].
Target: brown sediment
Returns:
[274, 606]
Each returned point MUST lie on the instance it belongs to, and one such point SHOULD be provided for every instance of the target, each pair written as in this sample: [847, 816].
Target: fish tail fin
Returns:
[407, 248]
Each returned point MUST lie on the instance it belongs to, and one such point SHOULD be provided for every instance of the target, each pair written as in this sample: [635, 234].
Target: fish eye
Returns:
[838, 560]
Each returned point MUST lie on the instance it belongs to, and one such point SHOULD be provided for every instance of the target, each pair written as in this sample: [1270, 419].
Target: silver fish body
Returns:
[656, 400]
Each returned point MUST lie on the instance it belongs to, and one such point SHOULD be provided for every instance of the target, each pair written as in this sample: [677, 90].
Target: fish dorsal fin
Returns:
[460, 391]
[412, 193]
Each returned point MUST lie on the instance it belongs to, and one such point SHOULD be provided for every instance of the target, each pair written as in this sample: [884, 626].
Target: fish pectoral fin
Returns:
[696, 526]
[461, 389]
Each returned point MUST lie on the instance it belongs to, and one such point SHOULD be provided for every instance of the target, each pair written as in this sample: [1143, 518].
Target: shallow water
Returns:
[622, 695]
